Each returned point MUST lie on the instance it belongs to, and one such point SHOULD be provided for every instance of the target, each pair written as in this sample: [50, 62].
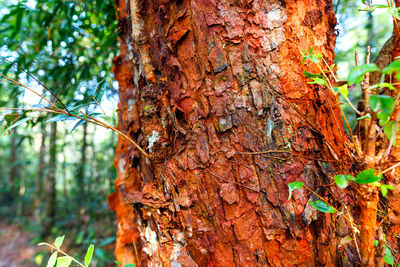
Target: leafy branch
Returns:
[63, 113]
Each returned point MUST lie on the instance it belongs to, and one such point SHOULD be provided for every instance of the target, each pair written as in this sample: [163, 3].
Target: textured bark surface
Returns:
[204, 86]
[50, 209]
[391, 225]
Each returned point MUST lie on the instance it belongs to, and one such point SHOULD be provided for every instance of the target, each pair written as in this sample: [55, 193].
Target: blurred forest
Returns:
[55, 182]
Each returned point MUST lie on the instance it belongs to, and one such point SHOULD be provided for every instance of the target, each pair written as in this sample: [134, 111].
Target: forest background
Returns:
[55, 178]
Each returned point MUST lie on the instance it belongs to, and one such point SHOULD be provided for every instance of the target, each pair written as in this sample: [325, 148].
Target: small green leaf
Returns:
[64, 261]
[388, 256]
[130, 265]
[368, 116]
[342, 89]
[342, 180]
[293, 186]
[392, 67]
[385, 189]
[356, 75]
[117, 262]
[14, 120]
[390, 130]
[60, 117]
[322, 206]
[58, 242]
[368, 176]
[52, 260]
[317, 80]
[385, 85]
[89, 255]
[77, 124]
[383, 105]
[79, 238]
[312, 75]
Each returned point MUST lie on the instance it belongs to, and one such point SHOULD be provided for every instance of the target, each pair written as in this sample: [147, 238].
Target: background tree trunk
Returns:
[40, 172]
[50, 209]
[80, 177]
[216, 93]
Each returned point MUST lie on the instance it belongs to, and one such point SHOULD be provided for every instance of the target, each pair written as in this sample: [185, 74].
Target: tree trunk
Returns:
[80, 177]
[14, 158]
[50, 210]
[40, 173]
[14, 170]
[391, 222]
[215, 91]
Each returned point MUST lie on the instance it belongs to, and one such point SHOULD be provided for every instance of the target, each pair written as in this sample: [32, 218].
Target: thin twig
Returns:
[344, 216]
[384, 218]
[26, 87]
[102, 110]
[62, 252]
[40, 83]
[391, 168]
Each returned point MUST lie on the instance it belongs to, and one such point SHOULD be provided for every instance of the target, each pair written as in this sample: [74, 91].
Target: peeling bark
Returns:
[391, 222]
[228, 84]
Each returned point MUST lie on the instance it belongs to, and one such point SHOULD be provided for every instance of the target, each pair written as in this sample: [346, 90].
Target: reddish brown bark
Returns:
[202, 84]
[391, 224]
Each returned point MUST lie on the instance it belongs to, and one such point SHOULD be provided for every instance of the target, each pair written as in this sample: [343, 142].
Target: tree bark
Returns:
[51, 194]
[80, 177]
[40, 173]
[14, 170]
[216, 93]
[391, 222]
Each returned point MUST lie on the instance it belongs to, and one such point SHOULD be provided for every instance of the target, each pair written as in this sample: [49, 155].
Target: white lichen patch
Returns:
[131, 102]
[274, 14]
[175, 254]
[121, 165]
[151, 242]
[152, 139]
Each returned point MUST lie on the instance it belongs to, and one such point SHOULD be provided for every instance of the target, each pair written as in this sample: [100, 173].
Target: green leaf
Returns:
[60, 117]
[322, 206]
[392, 67]
[368, 176]
[77, 125]
[368, 116]
[385, 188]
[388, 256]
[293, 186]
[10, 118]
[17, 123]
[383, 105]
[130, 265]
[79, 238]
[58, 242]
[64, 261]
[117, 262]
[385, 85]
[342, 89]
[52, 260]
[356, 75]
[80, 104]
[342, 180]
[89, 255]
[312, 75]
[390, 130]
[317, 80]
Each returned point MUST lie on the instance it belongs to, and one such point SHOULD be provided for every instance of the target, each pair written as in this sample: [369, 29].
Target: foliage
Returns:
[66, 260]
[69, 46]
[380, 109]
